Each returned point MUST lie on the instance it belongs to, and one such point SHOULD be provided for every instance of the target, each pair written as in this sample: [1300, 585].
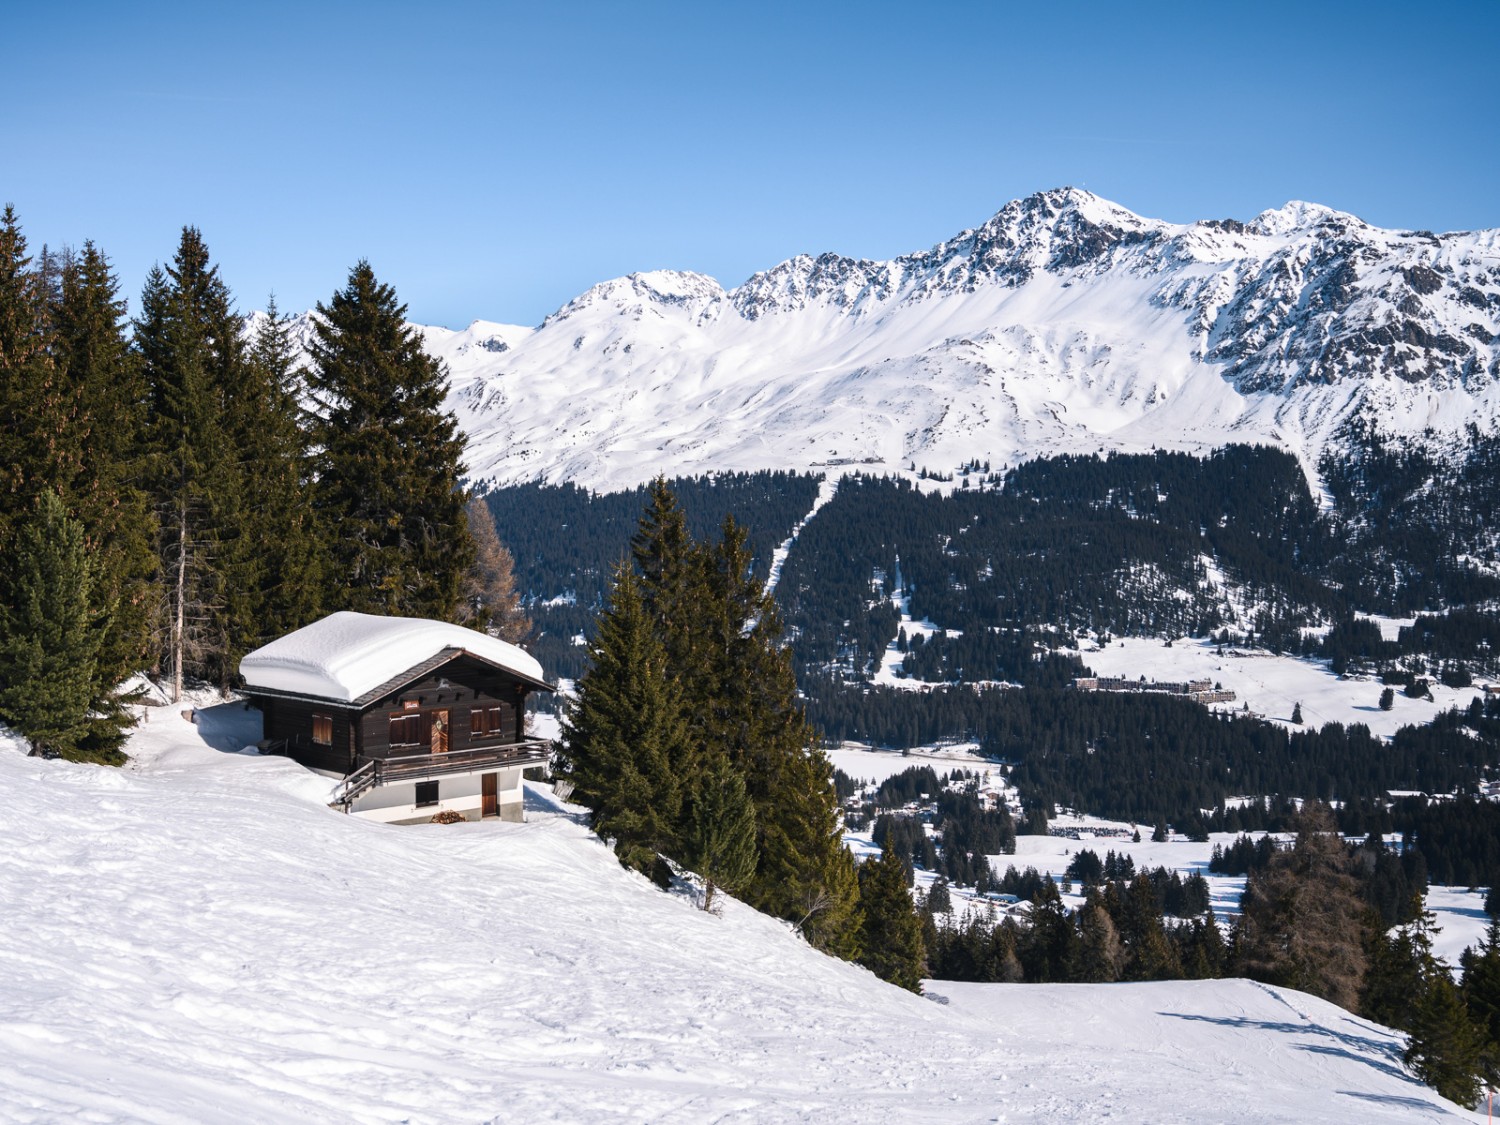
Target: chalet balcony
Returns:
[423, 767]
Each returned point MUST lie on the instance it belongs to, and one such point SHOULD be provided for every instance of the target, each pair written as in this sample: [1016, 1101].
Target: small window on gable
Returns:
[323, 730]
[427, 793]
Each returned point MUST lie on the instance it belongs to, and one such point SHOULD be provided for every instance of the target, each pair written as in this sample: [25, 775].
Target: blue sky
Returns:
[494, 160]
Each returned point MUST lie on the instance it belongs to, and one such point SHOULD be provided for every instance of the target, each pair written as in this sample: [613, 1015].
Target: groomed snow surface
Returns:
[197, 938]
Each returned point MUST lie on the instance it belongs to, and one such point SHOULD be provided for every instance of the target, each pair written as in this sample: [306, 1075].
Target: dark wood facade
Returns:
[455, 701]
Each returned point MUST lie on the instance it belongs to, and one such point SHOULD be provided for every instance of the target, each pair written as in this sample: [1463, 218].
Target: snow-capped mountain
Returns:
[1063, 324]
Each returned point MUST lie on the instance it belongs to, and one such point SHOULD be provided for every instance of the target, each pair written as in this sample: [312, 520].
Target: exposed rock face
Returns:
[1064, 323]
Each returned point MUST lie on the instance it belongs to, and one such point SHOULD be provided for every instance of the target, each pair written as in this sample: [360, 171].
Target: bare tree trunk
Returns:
[179, 613]
[708, 895]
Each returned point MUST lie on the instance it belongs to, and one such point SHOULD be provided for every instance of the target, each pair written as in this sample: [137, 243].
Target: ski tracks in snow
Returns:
[826, 491]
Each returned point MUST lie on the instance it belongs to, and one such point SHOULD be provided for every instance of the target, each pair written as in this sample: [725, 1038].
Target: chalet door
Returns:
[489, 795]
[440, 732]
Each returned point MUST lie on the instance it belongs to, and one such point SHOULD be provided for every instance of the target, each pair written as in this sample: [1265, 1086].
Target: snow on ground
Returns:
[197, 937]
[1460, 912]
[865, 764]
[827, 487]
[1273, 685]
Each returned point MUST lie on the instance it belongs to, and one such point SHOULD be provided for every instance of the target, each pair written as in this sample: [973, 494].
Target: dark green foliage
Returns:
[1081, 542]
[188, 340]
[891, 933]
[387, 494]
[719, 841]
[1243, 856]
[1140, 757]
[31, 405]
[566, 540]
[1410, 518]
[279, 556]
[625, 745]
[1445, 1049]
[48, 639]
[103, 483]
[1401, 968]
[1481, 982]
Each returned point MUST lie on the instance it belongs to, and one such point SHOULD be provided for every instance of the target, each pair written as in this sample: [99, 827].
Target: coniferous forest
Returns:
[182, 484]
[180, 489]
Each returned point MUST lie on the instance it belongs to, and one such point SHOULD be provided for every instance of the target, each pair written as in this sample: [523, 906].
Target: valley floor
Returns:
[198, 938]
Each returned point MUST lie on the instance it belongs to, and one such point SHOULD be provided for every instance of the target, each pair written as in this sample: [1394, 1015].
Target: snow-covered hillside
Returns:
[1063, 324]
[197, 938]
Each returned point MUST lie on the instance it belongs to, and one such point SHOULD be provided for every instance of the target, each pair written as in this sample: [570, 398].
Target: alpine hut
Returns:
[416, 716]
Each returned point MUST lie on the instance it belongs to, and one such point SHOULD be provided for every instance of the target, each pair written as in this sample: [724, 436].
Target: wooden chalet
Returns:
[416, 716]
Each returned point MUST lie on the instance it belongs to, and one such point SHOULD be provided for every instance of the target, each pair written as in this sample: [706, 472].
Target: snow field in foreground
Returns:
[197, 938]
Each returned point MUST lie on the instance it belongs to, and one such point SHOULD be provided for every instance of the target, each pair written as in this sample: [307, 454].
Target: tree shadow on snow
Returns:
[1356, 1048]
[1395, 1100]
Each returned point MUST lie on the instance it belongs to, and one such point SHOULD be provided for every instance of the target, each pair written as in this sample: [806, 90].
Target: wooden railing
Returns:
[419, 767]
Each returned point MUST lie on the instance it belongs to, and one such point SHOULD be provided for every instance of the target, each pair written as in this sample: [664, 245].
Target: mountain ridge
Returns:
[1062, 324]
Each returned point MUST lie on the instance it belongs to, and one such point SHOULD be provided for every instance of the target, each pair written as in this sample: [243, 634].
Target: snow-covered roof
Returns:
[346, 655]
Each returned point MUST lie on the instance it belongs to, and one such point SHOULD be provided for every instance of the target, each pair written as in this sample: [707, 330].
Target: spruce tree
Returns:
[280, 557]
[188, 340]
[1481, 982]
[34, 416]
[48, 639]
[890, 931]
[104, 490]
[1445, 1048]
[387, 489]
[722, 636]
[719, 841]
[624, 742]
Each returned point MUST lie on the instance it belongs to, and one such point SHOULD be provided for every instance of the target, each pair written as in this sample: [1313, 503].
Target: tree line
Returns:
[689, 744]
[180, 487]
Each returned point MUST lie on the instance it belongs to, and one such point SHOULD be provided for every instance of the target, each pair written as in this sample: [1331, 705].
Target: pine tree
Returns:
[1446, 1049]
[722, 637]
[1150, 955]
[1297, 713]
[491, 601]
[390, 457]
[48, 639]
[624, 742]
[719, 842]
[104, 489]
[278, 560]
[1481, 981]
[33, 413]
[891, 932]
[188, 339]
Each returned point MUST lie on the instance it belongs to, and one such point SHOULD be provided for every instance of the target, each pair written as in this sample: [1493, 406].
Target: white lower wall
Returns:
[461, 792]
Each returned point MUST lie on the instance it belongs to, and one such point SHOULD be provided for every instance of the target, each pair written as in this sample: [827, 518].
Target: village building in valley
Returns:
[417, 717]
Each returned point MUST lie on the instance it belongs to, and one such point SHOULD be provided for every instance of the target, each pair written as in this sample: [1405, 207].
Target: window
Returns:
[427, 794]
[487, 722]
[406, 730]
[323, 730]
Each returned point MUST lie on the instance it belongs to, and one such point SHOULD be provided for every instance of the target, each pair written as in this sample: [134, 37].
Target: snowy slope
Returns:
[1063, 324]
[196, 938]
